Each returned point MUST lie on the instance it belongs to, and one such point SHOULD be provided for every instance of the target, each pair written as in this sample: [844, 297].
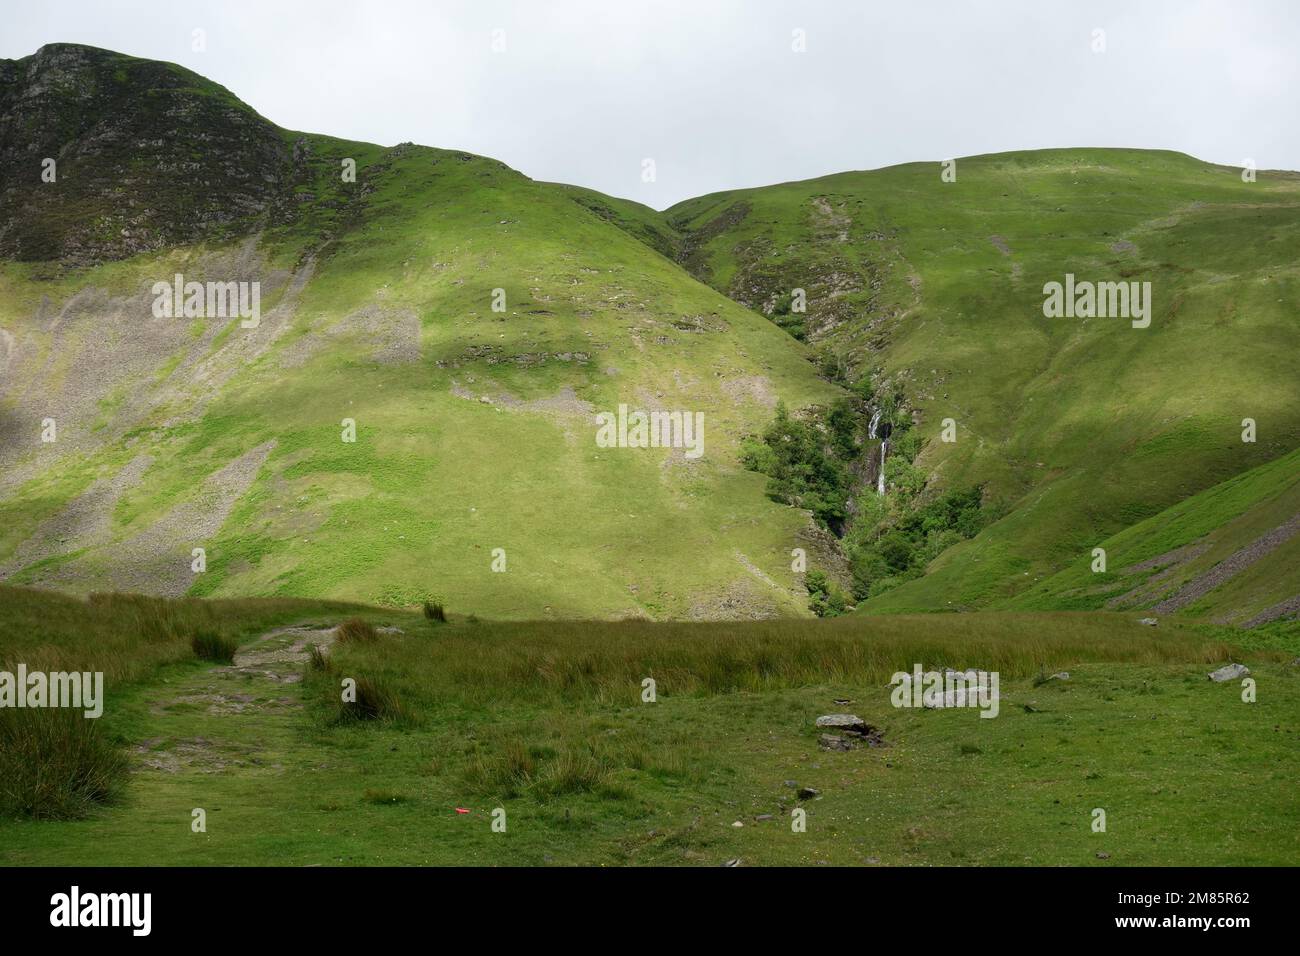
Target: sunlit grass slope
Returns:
[1241, 521]
[475, 429]
[1076, 428]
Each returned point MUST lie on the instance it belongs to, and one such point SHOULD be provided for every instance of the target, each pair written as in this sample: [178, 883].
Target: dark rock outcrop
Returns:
[147, 155]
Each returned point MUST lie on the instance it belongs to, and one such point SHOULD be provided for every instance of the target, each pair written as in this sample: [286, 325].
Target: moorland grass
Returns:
[574, 660]
[547, 720]
[56, 764]
[356, 630]
[211, 646]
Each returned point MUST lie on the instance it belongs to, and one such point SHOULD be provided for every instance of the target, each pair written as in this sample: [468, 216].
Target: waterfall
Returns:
[874, 432]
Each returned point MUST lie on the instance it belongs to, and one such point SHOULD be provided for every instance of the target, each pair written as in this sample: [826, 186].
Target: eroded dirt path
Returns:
[192, 717]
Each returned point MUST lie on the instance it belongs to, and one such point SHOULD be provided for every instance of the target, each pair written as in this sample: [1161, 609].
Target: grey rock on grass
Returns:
[1229, 672]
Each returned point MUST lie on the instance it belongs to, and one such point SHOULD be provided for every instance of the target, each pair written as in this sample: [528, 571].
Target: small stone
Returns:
[790, 783]
[1103, 855]
[1229, 672]
[734, 861]
[808, 793]
[1149, 621]
[834, 742]
[844, 722]
[763, 817]
[737, 824]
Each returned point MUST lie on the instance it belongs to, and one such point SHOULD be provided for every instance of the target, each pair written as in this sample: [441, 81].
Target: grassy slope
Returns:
[546, 722]
[1223, 520]
[1078, 428]
[437, 478]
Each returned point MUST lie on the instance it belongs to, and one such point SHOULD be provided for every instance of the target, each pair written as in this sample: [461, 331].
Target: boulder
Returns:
[844, 722]
[1229, 672]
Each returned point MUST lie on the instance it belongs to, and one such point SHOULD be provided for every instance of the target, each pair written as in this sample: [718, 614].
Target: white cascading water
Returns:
[873, 433]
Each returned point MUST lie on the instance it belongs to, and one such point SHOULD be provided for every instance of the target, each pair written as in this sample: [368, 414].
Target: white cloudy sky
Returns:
[711, 89]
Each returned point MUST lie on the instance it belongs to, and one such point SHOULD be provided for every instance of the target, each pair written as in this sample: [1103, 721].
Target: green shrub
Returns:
[824, 598]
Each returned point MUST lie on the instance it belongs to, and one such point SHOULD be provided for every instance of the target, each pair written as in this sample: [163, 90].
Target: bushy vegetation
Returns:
[884, 554]
[824, 598]
[805, 464]
[818, 462]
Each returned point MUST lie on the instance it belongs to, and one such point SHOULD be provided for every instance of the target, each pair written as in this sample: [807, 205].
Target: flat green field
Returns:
[546, 722]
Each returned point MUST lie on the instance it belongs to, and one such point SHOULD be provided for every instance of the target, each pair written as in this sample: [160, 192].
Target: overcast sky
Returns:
[713, 90]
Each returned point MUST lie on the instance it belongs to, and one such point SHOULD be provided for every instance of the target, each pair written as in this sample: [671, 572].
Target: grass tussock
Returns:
[56, 764]
[356, 630]
[215, 647]
[371, 700]
[435, 612]
[518, 769]
[316, 659]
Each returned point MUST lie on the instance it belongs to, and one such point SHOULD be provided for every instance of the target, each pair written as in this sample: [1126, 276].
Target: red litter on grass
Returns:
[461, 810]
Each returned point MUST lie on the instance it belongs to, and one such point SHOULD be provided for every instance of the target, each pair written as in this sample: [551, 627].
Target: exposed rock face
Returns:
[146, 155]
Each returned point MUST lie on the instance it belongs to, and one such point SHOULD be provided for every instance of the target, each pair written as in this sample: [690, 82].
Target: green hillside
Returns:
[475, 429]
[930, 293]
[1230, 553]
[359, 576]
